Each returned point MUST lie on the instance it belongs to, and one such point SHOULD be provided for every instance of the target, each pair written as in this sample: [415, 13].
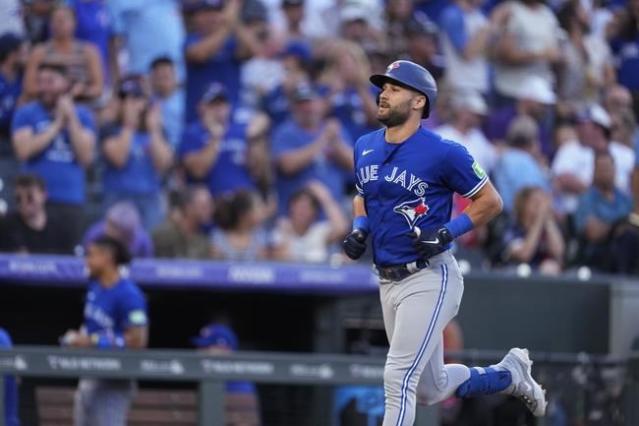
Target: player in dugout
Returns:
[115, 317]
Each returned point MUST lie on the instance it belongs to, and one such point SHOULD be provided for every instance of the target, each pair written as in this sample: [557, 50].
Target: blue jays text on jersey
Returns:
[410, 184]
[113, 310]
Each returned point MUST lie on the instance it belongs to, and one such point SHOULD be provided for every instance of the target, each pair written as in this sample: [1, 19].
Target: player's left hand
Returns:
[432, 243]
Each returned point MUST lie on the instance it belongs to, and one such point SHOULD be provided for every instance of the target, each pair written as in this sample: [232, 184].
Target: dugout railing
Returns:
[275, 368]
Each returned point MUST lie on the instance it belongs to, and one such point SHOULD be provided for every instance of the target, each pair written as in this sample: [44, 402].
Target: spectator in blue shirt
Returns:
[351, 97]
[55, 139]
[136, 154]
[146, 29]
[11, 416]
[308, 147]
[600, 208]
[296, 60]
[10, 83]
[215, 149]
[518, 166]
[170, 96]
[214, 49]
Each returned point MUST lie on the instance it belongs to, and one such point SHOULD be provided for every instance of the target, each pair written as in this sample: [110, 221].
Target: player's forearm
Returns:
[136, 338]
[359, 207]
[485, 206]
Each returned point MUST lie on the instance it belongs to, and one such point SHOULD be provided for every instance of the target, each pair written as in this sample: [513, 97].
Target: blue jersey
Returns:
[411, 184]
[290, 137]
[230, 172]
[10, 388]
[57, 163]
[626, 51]
[113, 310]
[223, 67]
[348, 108]
[138, 176]
[277, 106]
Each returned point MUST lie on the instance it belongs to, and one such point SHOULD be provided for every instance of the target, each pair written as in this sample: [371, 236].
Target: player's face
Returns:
[395, 105]
[98, 259]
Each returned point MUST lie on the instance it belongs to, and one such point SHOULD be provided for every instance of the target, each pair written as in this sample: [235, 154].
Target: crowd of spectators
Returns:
[224, 128]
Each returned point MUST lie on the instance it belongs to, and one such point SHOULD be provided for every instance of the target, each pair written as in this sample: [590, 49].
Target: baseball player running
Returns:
[406, 177]
[115, 317]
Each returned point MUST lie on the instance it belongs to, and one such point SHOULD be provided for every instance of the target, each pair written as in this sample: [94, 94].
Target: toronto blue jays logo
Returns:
[412, 210]
[393, 66]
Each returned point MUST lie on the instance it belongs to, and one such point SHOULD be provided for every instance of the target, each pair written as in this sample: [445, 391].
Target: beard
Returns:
[395, 116]
[49, 100]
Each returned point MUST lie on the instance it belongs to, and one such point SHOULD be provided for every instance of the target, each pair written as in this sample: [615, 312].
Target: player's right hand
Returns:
[355, 244]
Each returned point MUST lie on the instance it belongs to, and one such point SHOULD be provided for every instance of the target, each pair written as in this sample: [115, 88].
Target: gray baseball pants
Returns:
[102, 402]
[415, 311]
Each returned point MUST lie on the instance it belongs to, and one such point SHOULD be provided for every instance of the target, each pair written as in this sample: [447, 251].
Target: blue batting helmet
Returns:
[411, 75]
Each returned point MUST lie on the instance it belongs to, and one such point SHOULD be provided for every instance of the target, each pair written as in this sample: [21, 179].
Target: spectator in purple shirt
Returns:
[122, 222]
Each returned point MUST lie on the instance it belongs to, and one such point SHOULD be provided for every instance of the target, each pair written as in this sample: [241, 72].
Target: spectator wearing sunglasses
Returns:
[30, 228]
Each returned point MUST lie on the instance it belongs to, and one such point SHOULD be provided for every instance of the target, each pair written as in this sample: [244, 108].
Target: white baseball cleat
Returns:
[523, 385]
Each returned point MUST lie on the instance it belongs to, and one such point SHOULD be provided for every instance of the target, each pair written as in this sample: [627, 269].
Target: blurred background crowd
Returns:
[224, 128]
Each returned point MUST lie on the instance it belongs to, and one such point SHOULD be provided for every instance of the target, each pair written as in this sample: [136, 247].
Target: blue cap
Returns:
[216, 335]
[413, 76]
[304, 92]
[9, 42]
[214, 92]
[197, 5]
[299, 50]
